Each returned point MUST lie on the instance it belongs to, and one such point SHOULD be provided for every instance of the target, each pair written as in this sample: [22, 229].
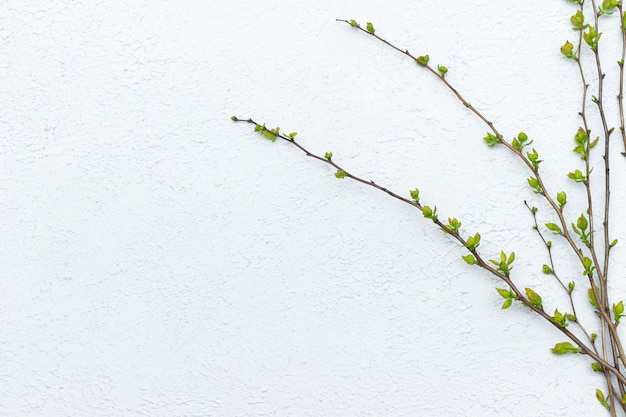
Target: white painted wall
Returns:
[158, 259]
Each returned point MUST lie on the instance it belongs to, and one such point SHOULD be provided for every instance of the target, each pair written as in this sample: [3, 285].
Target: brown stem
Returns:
[480, 261]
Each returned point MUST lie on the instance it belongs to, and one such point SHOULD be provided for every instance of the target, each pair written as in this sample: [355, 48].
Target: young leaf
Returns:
[491, 140]
[568, 50]
[473, 242]
[442, 70]
[354, 24]
[504, 293]
[565, 347]
[422, 60]
[592, 297]
[618, 311]
[507, 303]
[370, 28]
[415, 195]
[340, 174]
[561, 197]
[554, 228]
[534, 298]
[328, 155]
[600, 397]
[470, 259]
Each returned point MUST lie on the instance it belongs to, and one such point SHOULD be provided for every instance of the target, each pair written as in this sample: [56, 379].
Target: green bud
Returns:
[561, 197]
[422, 60]
[600, 397]
[614, 242]
[568, 50]
[546, 269]
[354, 24]
[370, 28]
[427, 211]
[582, 223]
[577, 20]
[233, 118]
[415, 195]
[504, 293]
[491, 140]
[340, 173]
[328, 155]
[596, 367]
[534, 298]
[571, 286]
[442, 70]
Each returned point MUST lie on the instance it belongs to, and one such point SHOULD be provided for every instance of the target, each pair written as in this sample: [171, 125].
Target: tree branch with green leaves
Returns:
[603, 347]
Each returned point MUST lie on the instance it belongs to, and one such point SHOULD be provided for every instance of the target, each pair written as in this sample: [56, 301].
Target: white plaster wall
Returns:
[158, 259]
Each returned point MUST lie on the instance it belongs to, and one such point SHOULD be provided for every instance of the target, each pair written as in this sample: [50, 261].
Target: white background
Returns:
[158, 259]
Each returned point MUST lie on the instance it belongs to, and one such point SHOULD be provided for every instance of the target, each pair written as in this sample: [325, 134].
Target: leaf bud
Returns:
[422, 60]
[567, 49]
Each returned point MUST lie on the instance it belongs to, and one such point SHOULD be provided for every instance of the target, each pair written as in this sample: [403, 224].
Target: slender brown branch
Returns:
[620, 95]
[480, 261]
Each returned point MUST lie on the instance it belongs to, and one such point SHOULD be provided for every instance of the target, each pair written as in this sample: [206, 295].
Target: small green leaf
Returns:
[596, 367]
[269, 135]
[554, 228]
[565, 347]
[504, 293]
[582, 223]
[600, 397]
[328, 155]
[592, 298]
[340, 173]
[614, 242]
[577, 20]
[415, 195]
[618, 311]
[473, 242]
[568, 50]
[534, 298]
[491, 140]
[561, 197]
[423, 60]
[577, 176]
[292, 135]
[430, 213]
[534, 183]
[442, 70]
[534, 158]
[511, 258]
[507, 303]
[470, 259]
[370, 28]
[354, 24]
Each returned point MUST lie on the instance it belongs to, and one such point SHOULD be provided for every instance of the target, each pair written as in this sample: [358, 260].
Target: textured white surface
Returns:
[160, 260]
